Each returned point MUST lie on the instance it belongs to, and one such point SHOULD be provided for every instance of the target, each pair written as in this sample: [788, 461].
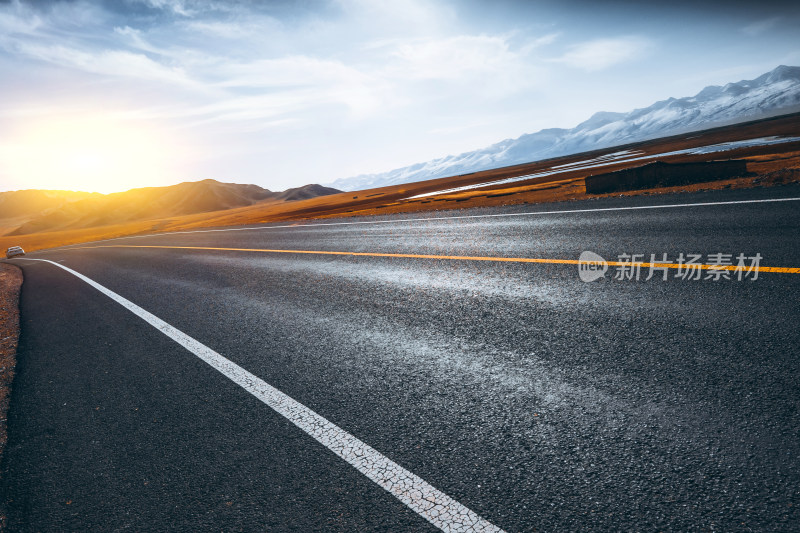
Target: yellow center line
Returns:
[782, 270]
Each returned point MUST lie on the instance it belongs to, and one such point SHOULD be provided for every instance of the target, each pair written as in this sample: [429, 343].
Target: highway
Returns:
[526, 398]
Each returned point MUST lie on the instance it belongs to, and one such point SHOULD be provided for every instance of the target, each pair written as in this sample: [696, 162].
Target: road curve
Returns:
[533, 399]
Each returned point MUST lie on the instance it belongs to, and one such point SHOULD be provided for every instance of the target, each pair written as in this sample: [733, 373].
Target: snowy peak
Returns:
[600, 119]
[774, 93]
[781, 73]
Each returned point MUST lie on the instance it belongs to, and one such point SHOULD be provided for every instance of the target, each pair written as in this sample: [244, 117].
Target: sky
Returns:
[109, 95]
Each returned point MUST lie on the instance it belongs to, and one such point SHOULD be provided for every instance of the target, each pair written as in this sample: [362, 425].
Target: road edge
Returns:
[10, 287]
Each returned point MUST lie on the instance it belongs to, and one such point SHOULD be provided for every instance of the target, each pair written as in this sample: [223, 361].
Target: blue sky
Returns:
[107, 96]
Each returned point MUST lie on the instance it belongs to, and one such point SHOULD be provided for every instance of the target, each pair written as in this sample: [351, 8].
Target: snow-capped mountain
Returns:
[773, 93]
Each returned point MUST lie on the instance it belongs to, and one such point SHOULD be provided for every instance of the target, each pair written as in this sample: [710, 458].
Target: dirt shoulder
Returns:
[10, 283]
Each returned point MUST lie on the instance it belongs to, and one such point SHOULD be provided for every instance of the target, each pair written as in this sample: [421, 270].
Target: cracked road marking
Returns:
[430, 503]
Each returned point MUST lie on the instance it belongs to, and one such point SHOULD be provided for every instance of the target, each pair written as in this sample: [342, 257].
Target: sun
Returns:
[89, 162]
[89, 153]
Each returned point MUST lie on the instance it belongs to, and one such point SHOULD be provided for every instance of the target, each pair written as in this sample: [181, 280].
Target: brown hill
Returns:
[305, 192]
[159, 202]
[23, 203]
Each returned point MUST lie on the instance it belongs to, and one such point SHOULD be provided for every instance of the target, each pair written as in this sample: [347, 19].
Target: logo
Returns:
[591, 266]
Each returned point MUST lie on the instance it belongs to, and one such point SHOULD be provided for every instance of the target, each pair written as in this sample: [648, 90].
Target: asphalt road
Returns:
[537, 400]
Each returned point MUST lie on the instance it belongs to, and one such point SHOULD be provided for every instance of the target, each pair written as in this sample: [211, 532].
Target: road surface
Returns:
[525, 396]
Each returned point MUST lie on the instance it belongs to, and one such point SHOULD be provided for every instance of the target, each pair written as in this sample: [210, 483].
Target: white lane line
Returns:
[460, 217]
[430, 503]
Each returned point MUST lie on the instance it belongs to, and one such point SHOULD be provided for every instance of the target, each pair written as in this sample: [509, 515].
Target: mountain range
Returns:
[41, 211]
[774, 93]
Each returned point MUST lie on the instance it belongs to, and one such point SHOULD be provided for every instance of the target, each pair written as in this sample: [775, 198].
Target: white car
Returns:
[13, 251]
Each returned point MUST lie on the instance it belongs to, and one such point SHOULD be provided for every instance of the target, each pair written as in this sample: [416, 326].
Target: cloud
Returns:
[204, 82]
[760, 26]
[601, 54]
[544, 40]
[454, 57]
[243, 64]
[301, 81]
[483, 66]
[230, 30]
[114, 63]
[175, 6]
[409, 16]
[134, 39]
[18, 19]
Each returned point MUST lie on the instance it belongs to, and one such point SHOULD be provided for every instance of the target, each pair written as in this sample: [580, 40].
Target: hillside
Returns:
[23, 203]
[774, 93]
[91, 210]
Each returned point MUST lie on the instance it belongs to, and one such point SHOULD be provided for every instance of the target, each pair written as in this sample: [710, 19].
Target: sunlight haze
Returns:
[89, 153]
[106, 96]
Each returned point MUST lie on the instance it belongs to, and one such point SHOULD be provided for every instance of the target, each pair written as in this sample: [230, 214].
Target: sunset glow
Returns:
[88, 154]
